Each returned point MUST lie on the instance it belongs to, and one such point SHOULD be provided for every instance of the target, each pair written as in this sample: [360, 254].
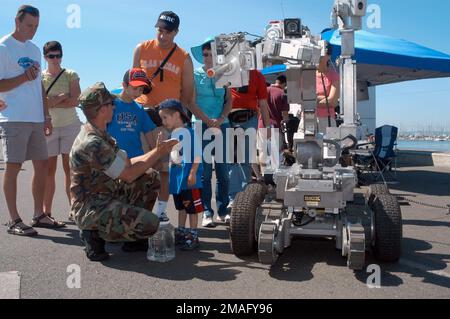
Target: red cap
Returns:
[137, 77]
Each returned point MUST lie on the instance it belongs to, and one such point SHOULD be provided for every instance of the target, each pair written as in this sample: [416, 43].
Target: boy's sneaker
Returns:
[208, 222]
[191, 241]
[180, 234]
[163, 217]
[230, 206]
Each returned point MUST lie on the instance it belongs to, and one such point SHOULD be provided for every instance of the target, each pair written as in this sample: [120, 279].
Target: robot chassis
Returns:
[316, 197]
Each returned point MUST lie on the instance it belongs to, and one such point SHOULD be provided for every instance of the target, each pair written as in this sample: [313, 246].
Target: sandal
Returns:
[17, 227]
[55, 224]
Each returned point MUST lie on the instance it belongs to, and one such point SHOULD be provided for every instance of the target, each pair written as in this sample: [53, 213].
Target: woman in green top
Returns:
[63, 93]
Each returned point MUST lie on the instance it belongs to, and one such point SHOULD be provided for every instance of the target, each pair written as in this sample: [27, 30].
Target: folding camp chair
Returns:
[382, 159]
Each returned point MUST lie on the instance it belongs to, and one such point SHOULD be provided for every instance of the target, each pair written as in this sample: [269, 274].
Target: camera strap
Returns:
[160, 70]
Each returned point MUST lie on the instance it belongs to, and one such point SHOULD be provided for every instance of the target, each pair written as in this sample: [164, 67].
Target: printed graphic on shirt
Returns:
[26, 62]
[128, 121]
[149, 64]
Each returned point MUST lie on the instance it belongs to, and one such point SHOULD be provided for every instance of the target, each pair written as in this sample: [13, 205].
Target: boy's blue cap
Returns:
[173, 104]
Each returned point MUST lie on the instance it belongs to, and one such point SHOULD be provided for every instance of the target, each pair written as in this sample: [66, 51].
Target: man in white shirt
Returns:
[25, 120]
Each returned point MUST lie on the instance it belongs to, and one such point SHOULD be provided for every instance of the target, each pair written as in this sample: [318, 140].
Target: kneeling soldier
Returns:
[112, 196]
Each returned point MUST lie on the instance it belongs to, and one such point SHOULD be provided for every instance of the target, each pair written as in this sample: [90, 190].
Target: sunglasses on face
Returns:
[54, 56]
[206, 55]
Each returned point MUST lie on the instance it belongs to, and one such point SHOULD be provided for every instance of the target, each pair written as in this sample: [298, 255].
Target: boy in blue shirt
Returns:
[129, 119]
[185, 172]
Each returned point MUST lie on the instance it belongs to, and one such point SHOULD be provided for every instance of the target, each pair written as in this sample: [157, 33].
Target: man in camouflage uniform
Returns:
[111, 195]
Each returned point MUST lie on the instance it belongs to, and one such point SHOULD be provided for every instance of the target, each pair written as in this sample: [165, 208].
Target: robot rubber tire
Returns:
[388, 228]
[242, 222]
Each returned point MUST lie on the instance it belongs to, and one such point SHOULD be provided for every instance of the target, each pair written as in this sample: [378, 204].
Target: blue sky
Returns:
[101, 50]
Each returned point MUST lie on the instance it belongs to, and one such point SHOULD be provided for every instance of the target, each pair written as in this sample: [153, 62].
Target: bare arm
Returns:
[195, 109]
[333, 97]
[192, 178]
[187, 84]
[137, 56]
[44, 102]
[137, 166]
[30, 74]
[264, 108]
[71, 100]
[149, 139]
[48, 127]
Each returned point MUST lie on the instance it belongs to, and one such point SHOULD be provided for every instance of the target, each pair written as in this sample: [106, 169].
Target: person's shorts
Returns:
[189, 200]
[23, 141]
[62, 138]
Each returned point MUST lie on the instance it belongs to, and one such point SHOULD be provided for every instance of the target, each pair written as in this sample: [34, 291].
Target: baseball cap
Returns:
[137, 77]
[168, 20]
[172, 104]
[95, 96]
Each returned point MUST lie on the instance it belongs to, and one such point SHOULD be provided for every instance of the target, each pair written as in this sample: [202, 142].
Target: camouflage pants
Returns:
[127, 216]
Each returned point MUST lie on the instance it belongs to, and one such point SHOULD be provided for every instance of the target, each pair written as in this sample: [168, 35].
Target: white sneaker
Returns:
[220, 219]
[225, 219]
[163, 217]
[208, 222]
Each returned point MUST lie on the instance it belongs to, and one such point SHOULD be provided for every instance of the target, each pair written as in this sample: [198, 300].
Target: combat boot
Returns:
[94, 245]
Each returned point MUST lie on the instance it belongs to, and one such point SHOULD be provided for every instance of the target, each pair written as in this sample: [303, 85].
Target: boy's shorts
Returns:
[189, 200]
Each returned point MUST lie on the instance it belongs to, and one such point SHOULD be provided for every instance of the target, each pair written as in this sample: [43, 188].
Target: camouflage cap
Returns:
[94, 96]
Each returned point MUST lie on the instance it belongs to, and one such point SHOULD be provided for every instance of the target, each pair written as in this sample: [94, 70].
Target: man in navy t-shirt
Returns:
[130, 120]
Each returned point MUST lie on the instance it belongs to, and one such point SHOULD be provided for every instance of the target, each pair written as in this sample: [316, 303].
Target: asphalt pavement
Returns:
[46, 266]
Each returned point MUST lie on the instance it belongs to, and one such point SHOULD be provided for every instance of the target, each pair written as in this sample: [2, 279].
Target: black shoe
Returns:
[163, 217]
[134, 246]
[94, 245]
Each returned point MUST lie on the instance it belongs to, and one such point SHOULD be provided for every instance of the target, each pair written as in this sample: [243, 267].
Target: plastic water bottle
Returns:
[161, 246]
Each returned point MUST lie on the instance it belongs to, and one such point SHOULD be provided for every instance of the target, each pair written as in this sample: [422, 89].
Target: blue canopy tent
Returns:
[383, 60]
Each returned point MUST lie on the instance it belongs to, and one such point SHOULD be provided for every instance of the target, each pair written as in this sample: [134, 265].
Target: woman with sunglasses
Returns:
[216, 105]
[63, 89]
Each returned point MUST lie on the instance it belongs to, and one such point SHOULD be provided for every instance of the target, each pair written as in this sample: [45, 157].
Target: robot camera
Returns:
[293, 28]
[358, 7]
